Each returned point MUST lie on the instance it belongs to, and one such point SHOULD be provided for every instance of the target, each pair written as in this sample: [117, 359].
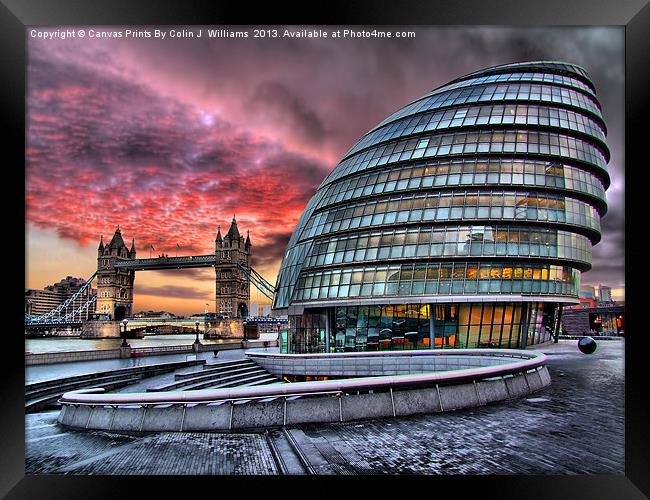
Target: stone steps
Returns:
[227, 381]
[39, 395]
[210, 369]
[192, 382]
[50, 399]
[221, 364]
[235, 373]
[154, 368]
[265, 381]
[261, 379]
[74, 385]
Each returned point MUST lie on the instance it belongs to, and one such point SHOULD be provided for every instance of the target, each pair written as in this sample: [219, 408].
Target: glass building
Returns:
[463, 219]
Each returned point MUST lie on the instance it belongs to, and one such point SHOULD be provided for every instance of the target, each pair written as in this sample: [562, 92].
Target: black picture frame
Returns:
[634, 15]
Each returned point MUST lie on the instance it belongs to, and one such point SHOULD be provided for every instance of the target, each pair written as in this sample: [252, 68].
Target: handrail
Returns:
[529, 361]
[186, 347]
[221, 401]
[412, 352]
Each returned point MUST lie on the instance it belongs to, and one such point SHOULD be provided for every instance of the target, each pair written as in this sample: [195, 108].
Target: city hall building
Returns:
[462, 220]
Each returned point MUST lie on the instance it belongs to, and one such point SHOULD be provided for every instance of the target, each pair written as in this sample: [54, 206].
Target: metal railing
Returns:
[172, 402]
[169, 348]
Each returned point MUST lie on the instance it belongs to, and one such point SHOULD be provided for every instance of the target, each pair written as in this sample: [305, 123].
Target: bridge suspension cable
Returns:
[66, 311]
[260, 283]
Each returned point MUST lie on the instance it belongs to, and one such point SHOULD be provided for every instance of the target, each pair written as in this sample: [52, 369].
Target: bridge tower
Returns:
[114, 286]
[232, 285]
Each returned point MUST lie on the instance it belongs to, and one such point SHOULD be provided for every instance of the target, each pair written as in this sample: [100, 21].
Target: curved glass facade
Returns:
[464, 116]
[450, 241]
[470, 172]
[486, 142]
[463, 219]
[462, 205]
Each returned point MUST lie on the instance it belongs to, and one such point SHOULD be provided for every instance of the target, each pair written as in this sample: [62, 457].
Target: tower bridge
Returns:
[117, 265]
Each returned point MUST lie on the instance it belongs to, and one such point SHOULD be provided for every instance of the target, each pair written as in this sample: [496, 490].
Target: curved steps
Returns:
[217, 375]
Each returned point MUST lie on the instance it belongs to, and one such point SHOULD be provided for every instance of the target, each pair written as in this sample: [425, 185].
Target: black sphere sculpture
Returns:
[587, 345]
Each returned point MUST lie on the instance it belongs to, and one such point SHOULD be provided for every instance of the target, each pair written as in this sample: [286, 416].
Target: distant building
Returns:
[587, 303]
[255, 310]
[587, 292]
[156, 314]
[39, 302]
[594, 320]
[267, 310]
[604, 294]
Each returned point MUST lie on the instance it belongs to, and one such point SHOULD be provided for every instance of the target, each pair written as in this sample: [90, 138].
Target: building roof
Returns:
[233, 232]
[117, 241]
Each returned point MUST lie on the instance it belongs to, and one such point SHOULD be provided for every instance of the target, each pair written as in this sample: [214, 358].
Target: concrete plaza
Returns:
[575, 426]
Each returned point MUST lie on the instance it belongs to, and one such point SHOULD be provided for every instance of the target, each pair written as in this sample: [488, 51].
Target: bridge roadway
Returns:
[184, 262]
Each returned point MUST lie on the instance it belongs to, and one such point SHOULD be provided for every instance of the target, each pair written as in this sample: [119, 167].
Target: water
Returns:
[58, 344]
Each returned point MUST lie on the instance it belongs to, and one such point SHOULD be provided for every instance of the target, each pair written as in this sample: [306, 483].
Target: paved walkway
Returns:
[575, 426]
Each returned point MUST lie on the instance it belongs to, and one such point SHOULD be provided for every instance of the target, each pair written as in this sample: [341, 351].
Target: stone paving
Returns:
[51, 449]
[575, 426]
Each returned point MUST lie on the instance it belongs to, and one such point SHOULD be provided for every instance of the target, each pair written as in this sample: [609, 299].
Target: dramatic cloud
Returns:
[103, 151]
[170, 138]
[272, 251]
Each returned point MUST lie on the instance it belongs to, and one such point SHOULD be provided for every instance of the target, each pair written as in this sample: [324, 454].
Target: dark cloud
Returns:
[284, 106]
[271, 251]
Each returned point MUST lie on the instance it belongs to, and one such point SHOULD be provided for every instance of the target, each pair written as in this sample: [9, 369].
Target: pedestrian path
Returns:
[52, 449]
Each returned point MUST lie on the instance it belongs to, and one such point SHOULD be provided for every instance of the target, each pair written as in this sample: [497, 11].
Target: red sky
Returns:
[169, 138]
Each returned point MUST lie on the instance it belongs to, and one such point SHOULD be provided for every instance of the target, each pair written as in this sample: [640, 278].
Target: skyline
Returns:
[169, 138]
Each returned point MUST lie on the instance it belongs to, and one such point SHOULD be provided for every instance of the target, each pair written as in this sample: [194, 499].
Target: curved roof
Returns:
[558, 67]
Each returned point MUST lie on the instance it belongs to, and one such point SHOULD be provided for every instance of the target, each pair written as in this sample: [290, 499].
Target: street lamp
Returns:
[197, 333]
[124, 342]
